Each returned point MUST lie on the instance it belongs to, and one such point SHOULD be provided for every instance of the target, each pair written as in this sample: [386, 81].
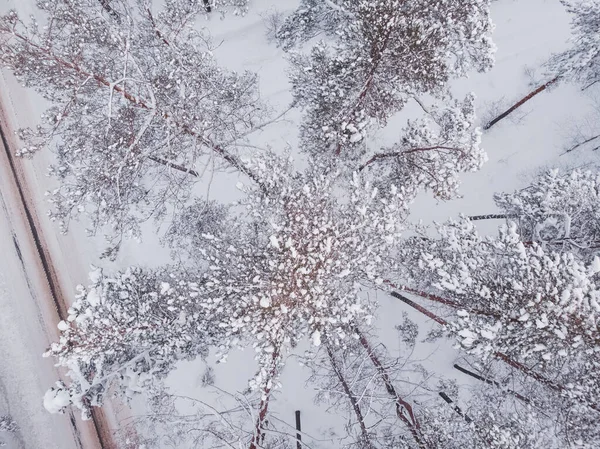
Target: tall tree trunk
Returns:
[491, 382]
[352, 398]
[521, 102]
[263, 408]
[401, 405]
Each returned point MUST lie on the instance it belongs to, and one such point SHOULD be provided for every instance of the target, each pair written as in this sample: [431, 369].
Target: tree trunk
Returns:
[521, 102]
[491, 382]
[401, 405]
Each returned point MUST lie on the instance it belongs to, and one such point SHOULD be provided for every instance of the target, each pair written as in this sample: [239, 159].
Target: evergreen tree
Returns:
[581, 62]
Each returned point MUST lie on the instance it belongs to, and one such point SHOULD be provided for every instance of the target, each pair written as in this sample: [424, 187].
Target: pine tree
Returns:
[526, 299]
[383, 55]
[581, 62]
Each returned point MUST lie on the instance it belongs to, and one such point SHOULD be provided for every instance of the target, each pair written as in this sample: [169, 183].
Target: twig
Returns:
[589, 85]
[574, 147]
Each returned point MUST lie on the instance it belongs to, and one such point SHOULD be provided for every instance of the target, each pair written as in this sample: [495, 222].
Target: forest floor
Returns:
[530, 140]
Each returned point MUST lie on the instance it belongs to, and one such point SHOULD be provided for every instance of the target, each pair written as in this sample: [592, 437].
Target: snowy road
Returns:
[31, 302]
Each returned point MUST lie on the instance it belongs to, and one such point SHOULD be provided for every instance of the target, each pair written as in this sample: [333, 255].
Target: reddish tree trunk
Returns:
[263, 409]
[521, 102]
[401, 405]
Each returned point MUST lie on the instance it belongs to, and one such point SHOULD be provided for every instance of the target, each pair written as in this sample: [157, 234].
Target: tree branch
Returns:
[48, 55]
[402, 153]
[574, 147]
[456, 408]
[491, 382]
[181, 168]
[156, 30]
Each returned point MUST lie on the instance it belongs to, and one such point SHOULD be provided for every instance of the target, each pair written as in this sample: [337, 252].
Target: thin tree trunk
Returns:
[439, 299]
[490, 217]
[491, 382]
[351, 397]
[263, 409]
[299, 430]
[420, 308]
[401, 405]
[521, 102]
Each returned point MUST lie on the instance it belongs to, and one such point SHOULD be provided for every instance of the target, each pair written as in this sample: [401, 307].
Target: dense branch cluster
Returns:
[384, 53]
[137, 103]
[528, 303]
[558, 211]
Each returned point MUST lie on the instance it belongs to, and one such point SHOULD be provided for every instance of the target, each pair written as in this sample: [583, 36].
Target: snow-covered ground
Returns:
[527, 33]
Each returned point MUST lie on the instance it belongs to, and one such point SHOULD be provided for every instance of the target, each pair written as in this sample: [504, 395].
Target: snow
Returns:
[56, 400]
[316, 338]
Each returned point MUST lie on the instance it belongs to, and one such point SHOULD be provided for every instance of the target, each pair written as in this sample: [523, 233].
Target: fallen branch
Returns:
[521, 102]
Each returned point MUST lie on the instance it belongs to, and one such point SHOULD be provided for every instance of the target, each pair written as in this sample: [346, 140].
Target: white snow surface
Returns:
[526, 35]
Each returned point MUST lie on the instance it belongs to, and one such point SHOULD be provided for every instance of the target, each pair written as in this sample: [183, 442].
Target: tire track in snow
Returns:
[102, 432]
